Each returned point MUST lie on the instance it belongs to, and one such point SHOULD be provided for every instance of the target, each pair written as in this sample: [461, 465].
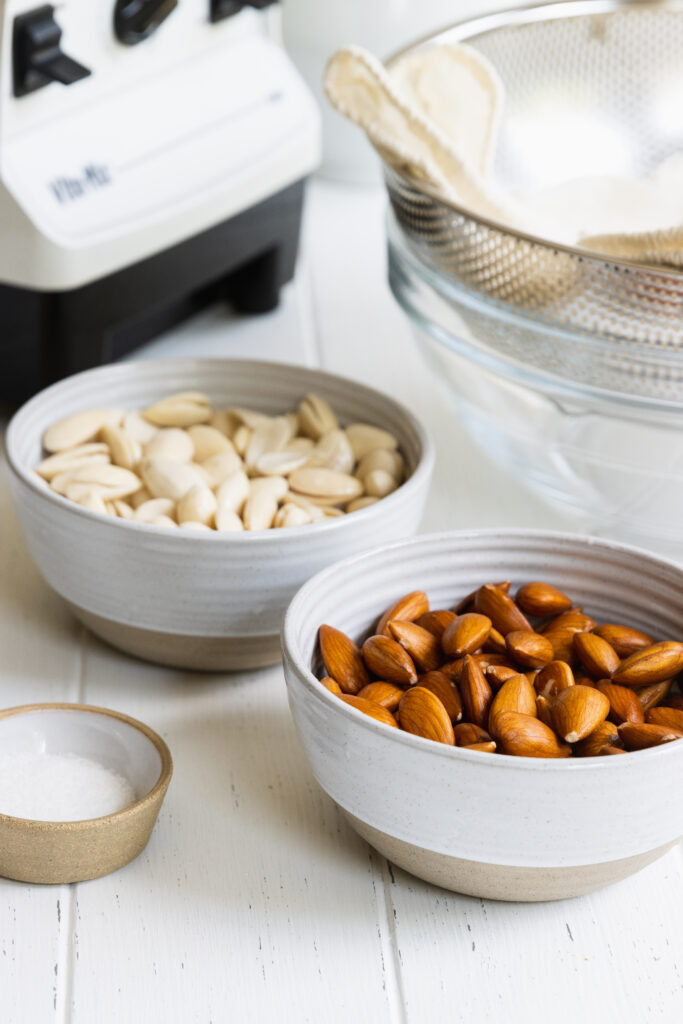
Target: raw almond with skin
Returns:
[466, 733]
[370, 708]
[528, 648]
[342, 659]
[496, 675]
[640, 736]
[388, 660]
[465, 635]
[466, 604]
[544, 710]
[331, 684]
[577, 711]
[499, 607]
[675, 702]
[495, 643]
[652, 665]
[447, 693]
[623, 639]
[422, 714]
[422, 646]
[553, 678]
[517, 694]
[408, 608]
[453, 669]
[560, 631]
[624, 703]
[650, 696]
[605, 734]
[436, 622]
[475, 693]
[670, 717]
[523, 736]
[608, 750]
[486, 748]
[597, 656]
[386, 694]
[542, 599]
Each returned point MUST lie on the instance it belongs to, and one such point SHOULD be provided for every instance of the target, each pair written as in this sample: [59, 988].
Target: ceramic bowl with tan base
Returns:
[73, 851]
[491, 825]
[199, 600]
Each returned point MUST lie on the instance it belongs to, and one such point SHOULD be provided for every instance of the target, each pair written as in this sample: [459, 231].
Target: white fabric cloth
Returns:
[436, 115]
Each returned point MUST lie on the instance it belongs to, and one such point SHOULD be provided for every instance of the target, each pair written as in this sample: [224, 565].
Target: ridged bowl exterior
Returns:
[487, 808]
[175, 583]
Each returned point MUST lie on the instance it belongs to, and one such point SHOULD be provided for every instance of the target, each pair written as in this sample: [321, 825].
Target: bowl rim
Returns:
[418, 478]
[86, 824]
[465, 31]
[292, 657]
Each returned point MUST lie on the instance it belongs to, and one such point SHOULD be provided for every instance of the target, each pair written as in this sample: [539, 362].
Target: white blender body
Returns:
[155, 140]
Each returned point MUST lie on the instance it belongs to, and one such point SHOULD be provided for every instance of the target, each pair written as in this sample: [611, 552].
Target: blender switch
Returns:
[37, 58]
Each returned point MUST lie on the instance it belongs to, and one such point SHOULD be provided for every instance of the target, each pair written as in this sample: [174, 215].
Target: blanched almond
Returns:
[165, 478]
[279, 463]
[79, 428]
[219, 468]
[316, 417]
[71, 458]
[332, 451]
[208, 441]
[125, 450]
[197, 506]
[151, 510]
[233, 492]
[181, 410]
[378, 483]
[227, 521]
[110, 481]
[259, 510]
[137, 427]
[359, 503]
[325, 483]
[290, 515]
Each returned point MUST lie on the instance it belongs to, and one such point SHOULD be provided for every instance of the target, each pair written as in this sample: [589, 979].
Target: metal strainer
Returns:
[593, 88]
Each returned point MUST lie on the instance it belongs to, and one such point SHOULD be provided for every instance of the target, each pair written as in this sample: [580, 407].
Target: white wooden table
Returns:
[254, 900]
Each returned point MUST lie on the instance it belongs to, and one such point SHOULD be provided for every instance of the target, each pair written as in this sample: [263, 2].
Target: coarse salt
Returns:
[60, 787]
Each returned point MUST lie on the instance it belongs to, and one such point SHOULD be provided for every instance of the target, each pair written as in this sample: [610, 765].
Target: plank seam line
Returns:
[66, 953]
[394, 973]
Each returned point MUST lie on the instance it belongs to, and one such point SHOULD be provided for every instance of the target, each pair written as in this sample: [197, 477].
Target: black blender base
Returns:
[245, 261]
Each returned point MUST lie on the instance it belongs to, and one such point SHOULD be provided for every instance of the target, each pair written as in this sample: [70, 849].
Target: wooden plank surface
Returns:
[254, 900]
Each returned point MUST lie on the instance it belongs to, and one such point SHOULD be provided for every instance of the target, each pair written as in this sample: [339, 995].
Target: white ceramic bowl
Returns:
[198, 600]
[488, 824]
[72, 851]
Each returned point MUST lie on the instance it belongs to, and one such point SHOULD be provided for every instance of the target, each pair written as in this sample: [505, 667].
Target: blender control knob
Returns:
[135, 20]
[37, 58]
[220, 9]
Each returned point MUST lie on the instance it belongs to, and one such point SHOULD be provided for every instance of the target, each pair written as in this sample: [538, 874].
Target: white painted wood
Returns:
[254, 900]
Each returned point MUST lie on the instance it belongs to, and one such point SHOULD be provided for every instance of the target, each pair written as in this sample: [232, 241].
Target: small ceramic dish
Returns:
[199, 600]
[509, 828]
[73, 851]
